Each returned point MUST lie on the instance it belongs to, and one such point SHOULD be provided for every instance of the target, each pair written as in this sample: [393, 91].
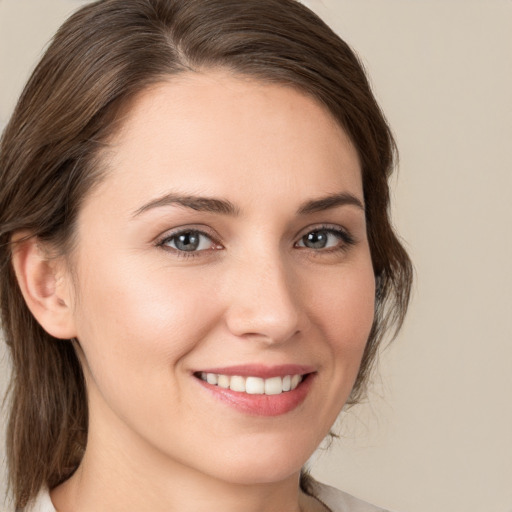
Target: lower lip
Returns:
[262, 405]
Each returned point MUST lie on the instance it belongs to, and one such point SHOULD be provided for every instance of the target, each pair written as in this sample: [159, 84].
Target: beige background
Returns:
[436, 434]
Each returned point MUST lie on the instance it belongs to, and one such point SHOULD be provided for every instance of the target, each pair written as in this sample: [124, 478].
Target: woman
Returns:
[197, 263]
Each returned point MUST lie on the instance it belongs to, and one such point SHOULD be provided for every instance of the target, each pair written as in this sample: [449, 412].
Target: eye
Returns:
[325, 238]
[188, 241]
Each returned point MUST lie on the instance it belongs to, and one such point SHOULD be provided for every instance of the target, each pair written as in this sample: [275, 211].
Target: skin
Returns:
[146, 317]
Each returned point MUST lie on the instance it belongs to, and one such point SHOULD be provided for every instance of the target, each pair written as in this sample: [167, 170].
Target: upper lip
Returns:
[259, 370]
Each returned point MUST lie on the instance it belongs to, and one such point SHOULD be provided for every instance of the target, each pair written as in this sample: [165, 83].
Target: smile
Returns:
[253, 385]
[259, 390]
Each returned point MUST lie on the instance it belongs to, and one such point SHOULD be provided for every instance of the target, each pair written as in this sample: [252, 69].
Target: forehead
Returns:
[218, 133]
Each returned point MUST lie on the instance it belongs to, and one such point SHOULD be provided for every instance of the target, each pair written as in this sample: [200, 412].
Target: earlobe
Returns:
[44, 283]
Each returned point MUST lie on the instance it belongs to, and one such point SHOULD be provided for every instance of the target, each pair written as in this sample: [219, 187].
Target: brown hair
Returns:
[102, 57]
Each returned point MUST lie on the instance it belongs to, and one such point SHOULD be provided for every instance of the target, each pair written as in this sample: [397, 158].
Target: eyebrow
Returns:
[330, 201]
[201, 204]
[225, 207]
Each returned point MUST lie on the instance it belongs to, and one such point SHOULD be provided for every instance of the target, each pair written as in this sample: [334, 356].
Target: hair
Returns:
[101, 58]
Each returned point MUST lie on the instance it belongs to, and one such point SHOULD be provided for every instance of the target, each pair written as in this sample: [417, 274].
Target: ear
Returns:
[45, 284]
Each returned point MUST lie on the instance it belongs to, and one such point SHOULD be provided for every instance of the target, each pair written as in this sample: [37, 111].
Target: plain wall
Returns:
[436, 432]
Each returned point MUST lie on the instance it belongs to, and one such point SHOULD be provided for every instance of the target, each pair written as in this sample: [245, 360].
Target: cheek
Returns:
[139, 321]
[344, 309]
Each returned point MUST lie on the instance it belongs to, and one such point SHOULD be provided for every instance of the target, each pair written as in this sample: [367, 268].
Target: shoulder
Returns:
[339, 501]
[42, 503]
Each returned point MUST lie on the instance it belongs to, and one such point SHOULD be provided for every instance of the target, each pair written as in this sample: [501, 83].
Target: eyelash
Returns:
[346, 239]
[168, 237]
[344, 236]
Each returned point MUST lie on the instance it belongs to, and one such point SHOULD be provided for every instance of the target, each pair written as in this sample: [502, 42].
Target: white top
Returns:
[333, 499]
[339, 501]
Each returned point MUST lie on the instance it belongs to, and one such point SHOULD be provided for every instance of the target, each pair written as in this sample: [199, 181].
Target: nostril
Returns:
[264, 322]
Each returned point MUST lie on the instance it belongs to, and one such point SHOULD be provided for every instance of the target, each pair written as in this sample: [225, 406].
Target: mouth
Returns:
[253, 385]
[258, 391]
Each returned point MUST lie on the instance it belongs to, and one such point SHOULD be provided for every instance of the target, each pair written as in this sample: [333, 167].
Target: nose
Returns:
[264, 301]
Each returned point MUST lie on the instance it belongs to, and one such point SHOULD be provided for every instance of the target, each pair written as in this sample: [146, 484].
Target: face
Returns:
[223, 281]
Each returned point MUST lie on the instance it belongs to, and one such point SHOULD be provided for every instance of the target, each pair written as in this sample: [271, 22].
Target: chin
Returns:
[265, 462]
[255, 473]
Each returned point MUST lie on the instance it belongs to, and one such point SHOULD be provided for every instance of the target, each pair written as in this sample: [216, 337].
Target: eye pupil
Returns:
[316, 239]
[187, 241]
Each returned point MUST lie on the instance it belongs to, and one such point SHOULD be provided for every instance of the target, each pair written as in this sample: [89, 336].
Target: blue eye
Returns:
[188, 241]
[325, 239]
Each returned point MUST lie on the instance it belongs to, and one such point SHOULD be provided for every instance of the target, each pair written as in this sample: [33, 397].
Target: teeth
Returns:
[211, 378]
[223, 381]
[274, 386]
[237, 384]
[253, 385]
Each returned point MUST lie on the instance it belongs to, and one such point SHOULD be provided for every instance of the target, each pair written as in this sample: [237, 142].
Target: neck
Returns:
[120, 473]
